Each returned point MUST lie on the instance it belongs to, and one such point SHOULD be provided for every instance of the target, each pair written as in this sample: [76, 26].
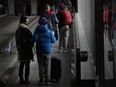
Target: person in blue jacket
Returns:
[44, 38]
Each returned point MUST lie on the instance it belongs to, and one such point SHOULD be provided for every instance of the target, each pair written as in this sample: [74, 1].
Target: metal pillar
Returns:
[33, 7]
[99, 42]
[11, 7]
[114, 35]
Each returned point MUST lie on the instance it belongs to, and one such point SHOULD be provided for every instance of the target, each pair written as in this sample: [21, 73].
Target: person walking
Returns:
[24, 48]
[52, 19]
[44, 38]
[65, 20]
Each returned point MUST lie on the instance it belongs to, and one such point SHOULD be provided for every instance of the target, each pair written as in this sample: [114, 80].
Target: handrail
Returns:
[80, 49]
[12, 36]
[82, 40]
[76, 48]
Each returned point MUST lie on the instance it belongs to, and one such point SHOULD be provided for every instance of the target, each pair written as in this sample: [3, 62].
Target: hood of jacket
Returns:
[42, 28]
[23, 25]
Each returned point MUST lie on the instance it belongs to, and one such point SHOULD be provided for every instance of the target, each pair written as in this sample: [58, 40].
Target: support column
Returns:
[11, 7]
[99, 39]
[33, 7]
[114, 35]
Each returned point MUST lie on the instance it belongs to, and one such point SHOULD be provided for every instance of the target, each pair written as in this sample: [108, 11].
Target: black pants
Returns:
[24, 65]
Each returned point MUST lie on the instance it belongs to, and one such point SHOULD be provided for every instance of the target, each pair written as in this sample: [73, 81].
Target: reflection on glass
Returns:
[107, 20]
[108, 39]
[114, 36]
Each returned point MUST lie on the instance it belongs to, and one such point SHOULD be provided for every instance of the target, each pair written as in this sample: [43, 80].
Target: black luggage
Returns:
[3, 83]
[56, 34]
[56, 69]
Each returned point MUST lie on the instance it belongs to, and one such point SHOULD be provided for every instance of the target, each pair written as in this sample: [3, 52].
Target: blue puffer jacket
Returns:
[44, 38]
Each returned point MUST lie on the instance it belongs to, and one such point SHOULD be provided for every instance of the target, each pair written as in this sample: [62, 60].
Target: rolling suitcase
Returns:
[56, 69]
[3, 83]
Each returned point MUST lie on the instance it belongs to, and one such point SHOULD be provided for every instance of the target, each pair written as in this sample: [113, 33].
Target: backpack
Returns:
[67, 18]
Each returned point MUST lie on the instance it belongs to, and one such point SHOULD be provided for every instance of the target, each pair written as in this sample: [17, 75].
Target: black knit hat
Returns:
[43, 20]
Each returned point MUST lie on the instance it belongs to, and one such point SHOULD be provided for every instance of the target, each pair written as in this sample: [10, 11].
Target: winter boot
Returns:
[27, 80]
[21, 81]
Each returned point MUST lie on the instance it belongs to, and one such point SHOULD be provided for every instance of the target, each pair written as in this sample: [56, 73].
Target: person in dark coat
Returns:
[52, 19]
[24, 48]
[63, 27]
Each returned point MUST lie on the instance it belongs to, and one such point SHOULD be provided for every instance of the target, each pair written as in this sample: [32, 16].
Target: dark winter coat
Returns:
[60, 18]
[24, 46]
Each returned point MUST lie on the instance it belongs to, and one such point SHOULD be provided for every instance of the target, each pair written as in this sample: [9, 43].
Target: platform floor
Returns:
[65, 81]
[10, 65]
